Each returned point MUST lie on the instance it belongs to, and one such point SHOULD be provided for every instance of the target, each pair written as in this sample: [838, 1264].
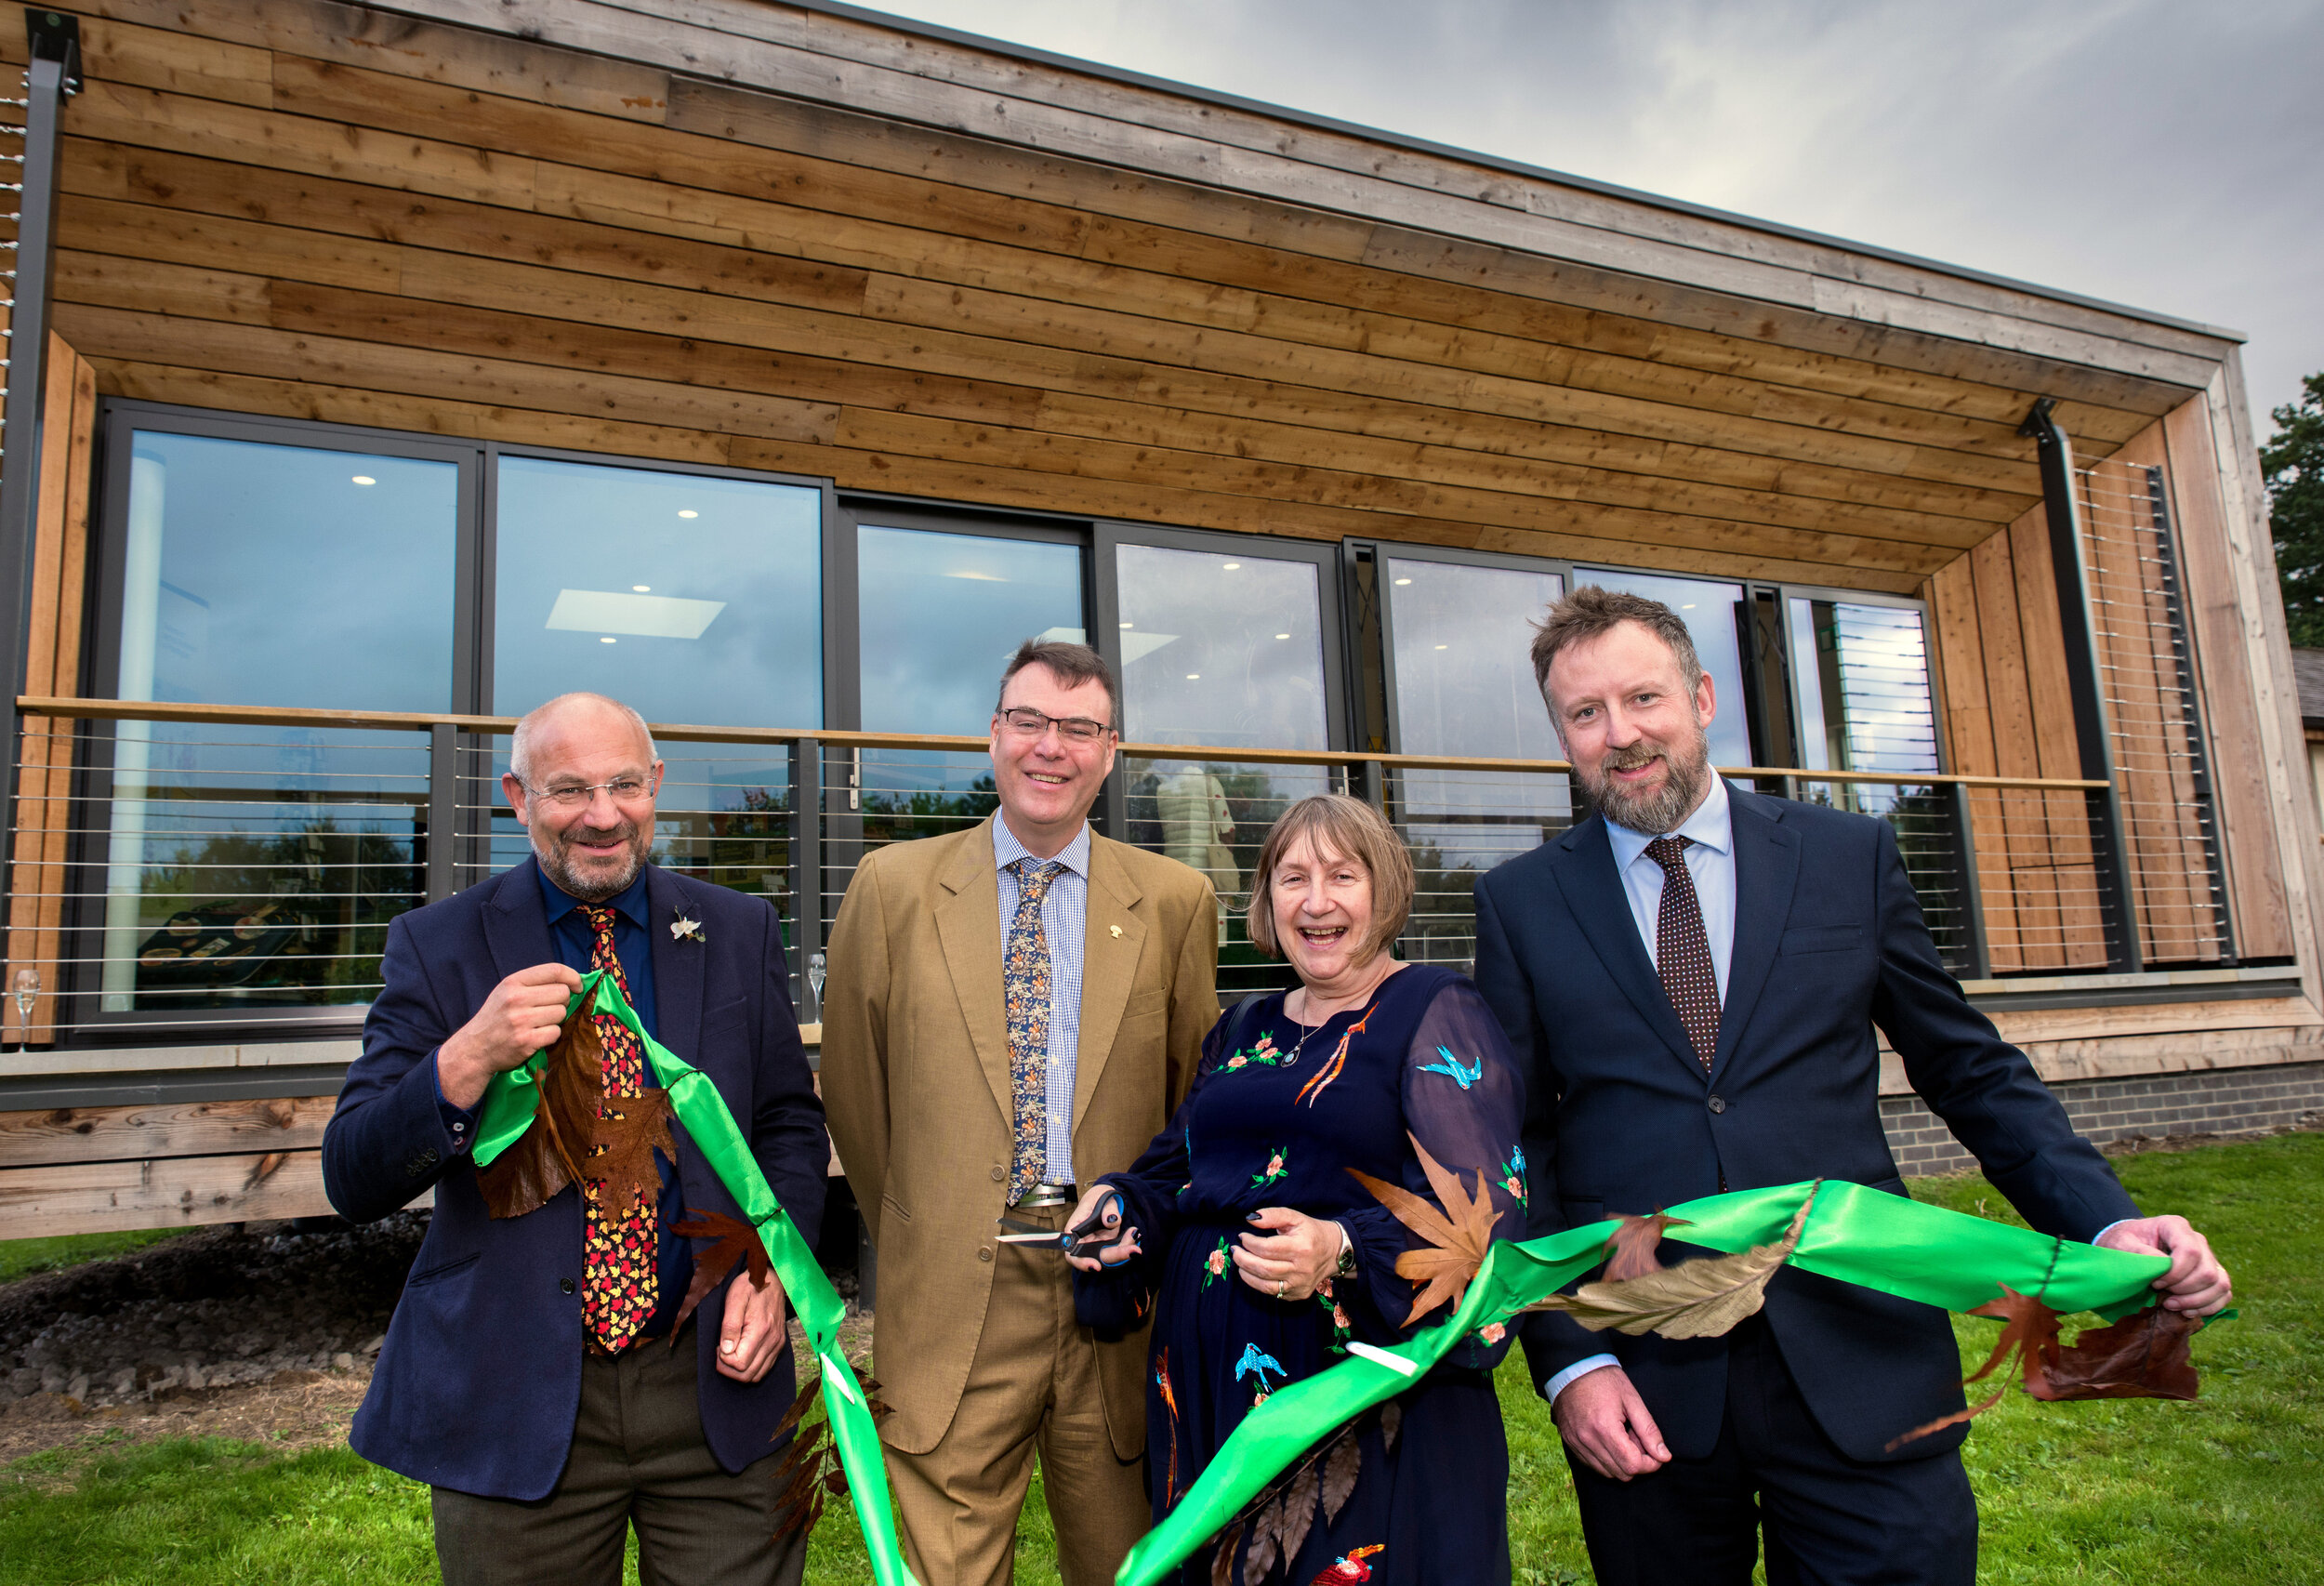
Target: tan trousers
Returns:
[1032, 1387]
[638, 1461]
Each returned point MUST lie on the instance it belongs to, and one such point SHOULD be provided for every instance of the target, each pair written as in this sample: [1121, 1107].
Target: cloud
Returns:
[2161, 156]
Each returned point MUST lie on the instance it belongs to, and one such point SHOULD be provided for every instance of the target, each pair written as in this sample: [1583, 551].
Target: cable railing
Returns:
[188, 873]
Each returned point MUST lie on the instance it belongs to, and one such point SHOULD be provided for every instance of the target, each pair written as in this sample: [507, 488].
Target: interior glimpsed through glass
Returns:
[1713, 613]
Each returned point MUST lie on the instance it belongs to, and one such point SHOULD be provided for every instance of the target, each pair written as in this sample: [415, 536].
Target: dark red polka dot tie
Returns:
[1683, 950]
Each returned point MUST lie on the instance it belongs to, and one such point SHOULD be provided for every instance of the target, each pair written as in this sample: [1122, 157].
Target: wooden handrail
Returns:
[420, 721]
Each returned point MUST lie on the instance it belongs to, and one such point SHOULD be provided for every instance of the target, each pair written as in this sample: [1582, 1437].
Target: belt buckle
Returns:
[1042, 1196]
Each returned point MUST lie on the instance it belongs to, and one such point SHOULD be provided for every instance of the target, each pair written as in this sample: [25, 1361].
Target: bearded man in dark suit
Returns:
[1694, 978]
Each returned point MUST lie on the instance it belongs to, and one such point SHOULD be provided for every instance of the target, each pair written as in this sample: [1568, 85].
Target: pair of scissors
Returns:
[1084, 1239]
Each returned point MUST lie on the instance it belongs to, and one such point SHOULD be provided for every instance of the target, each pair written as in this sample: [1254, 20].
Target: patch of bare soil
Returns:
[2146, 1144]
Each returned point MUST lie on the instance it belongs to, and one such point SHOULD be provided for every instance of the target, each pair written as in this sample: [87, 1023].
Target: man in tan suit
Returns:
[1011, 1010]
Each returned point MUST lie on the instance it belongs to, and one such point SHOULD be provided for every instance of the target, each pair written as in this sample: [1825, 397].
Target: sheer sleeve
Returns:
[1115, 1302]
[1464, 1102]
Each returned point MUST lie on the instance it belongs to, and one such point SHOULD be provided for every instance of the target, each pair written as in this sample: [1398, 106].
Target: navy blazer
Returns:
[1829, 945]
[480, 1378]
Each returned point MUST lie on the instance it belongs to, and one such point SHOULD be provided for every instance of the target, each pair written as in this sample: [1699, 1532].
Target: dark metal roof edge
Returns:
[1492, 162]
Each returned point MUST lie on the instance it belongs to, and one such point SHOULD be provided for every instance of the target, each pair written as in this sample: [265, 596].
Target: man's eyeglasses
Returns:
[1027, 722]
[624, 789]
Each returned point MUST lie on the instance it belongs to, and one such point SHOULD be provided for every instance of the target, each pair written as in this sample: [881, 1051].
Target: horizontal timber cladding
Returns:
[316, 210]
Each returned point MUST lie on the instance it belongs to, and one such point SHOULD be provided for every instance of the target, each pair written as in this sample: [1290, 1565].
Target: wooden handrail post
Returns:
[2085, 683]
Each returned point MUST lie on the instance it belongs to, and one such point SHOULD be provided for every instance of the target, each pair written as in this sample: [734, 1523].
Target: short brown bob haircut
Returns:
[1073, 665]
[1590, 612]
[1339, 827]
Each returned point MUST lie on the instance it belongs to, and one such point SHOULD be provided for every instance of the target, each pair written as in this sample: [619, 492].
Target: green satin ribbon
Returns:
[1856, 1235]
[509, 1102]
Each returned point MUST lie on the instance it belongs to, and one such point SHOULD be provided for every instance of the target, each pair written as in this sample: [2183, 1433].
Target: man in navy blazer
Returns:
[531, 1381]
[1694, 977]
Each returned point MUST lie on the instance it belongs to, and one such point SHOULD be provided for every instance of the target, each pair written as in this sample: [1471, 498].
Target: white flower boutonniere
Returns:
[685, 929]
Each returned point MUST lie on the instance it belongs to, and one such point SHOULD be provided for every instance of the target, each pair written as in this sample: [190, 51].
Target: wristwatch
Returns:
[1345, 1266]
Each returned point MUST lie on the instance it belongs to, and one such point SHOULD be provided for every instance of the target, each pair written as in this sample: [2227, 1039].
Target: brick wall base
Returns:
[2216, 1101]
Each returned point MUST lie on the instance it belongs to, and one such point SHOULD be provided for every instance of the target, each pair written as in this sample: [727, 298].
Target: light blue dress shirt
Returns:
[1065, 924]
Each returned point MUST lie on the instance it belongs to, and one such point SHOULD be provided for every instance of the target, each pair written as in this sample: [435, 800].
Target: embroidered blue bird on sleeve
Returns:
[1461, 1074]
[1256, 1359]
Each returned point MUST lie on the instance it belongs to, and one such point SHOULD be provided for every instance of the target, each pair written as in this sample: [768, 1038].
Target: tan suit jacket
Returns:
[916, 1085]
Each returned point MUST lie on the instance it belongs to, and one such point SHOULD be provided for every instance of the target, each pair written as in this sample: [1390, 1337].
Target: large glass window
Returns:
[1861, 679]
[1459, 637]
[688, 597]
[249, 866]
[1713, 613]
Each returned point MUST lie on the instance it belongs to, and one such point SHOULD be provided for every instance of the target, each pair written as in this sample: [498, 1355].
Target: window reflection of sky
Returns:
[710, 591]
[1220, 649]
[1464, 686]
[1709, 611]
[942, 612]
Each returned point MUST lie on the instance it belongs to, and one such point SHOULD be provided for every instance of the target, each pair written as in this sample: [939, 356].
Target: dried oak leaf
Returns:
[549, 1154]
[1634, 1244]
[2142, 1356]
[630, 1130]
[735, 1241]
[1696, 1298]
[2029, 1327]
[1459, 1236]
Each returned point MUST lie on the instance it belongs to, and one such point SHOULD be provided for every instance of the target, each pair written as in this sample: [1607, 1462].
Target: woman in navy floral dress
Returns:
[1261, 1255]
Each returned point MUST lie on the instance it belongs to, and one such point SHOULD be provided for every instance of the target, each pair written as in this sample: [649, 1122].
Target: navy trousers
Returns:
[1828, 1520]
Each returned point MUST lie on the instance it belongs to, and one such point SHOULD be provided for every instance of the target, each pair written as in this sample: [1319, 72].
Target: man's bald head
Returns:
[569, 714]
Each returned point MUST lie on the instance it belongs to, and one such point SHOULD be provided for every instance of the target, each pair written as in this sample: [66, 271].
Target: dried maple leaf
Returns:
[737, 1241]
[2029, 1327]
[549, 1154]
[1458, 1235]
[2142, 1356]
[1633, 1245]
[1696, 1298]
[630, 1130]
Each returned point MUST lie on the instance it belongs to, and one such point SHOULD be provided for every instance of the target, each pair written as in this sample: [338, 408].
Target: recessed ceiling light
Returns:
[1130, 624]
[1229, 566]
[1688, 606]
[1193, 677]
[608, 641]
[1439, 646]
[365, 478]
[1404, 580]
[1283, 636]
[641, 589]
[688, 513]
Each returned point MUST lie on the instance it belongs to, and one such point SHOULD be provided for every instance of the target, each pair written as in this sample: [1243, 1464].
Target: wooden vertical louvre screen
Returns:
[2147, 670]
[37, 870]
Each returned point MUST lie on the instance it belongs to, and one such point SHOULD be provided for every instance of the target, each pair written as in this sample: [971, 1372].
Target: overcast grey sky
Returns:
[2169, 156]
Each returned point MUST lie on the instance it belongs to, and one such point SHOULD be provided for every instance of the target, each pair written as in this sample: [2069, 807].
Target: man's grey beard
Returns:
[553, 852]
[1658, 811]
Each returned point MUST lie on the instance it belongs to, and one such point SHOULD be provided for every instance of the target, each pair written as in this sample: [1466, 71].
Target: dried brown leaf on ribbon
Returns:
[1390, 1425]
[810, 1467]
[549, 1154]
[1457, 1236]
[2142, 1356]
[1266, 1531]
[1222, 1561]
[2030, 1329]
[1340, 1467]
[735, 1241]
[1696, 1298]
[1634, 1244]
[632, 1131]
[1299, 1509]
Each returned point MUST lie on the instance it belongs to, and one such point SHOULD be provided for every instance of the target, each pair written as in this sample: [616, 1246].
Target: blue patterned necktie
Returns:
[1682, 949]
[1026, 993]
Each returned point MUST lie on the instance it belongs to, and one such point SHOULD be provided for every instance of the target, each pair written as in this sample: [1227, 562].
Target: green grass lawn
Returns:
[19, 1258]
[2228, 1488]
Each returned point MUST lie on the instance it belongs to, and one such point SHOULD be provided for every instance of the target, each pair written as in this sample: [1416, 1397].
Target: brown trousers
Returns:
[1033, 1387]
[638, 1459]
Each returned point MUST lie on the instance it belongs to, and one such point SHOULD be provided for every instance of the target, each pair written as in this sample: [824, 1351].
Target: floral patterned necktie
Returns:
[1025, 980]
[1682, 949]
[621, 1278]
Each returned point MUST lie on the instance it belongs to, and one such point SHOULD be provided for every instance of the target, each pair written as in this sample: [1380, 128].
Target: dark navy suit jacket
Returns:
[480, 1378]
[1829, 945]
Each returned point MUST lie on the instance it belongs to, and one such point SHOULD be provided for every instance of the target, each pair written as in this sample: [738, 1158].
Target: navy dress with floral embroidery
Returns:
[1272, 1120]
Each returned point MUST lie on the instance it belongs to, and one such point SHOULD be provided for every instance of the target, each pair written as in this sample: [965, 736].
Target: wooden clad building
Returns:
[834, 354]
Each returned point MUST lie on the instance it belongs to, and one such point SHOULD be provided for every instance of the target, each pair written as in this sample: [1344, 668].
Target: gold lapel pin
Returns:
[1114, 929]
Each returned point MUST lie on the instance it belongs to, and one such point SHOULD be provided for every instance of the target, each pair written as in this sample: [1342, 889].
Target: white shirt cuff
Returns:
[1557, 1384]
